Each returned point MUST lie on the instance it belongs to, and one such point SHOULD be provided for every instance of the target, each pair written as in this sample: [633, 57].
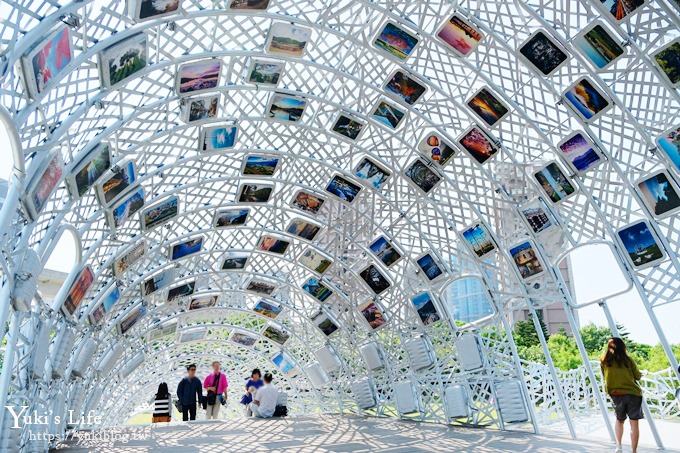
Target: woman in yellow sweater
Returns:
[621, 376]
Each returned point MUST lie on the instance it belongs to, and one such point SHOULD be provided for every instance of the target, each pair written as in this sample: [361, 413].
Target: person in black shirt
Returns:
[189, 392]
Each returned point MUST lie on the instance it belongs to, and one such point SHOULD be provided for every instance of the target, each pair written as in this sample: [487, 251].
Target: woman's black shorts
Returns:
[628, 406]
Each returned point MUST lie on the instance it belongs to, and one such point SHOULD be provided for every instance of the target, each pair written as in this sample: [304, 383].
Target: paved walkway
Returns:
[325, 434]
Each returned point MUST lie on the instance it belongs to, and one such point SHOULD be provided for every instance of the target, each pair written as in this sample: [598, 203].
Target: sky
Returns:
[594, 271]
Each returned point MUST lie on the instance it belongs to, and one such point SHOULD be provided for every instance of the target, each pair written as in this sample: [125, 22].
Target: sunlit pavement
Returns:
[328, 434]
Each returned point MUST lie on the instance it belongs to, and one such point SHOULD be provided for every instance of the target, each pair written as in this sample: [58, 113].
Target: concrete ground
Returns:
[322, 434]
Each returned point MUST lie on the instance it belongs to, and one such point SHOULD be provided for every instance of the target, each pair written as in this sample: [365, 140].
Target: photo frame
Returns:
[303, 228]
[315, 288]
[126, 260]
[276, 334]
[217, 137]
[202, 301]
[307, 202]
[395, 41]
[110, 297]
[430, 267]
[641, 245]
[343, 188]
[486, 106]
[253, 193]
[230, 218]
[267, 309]
[199, 109]
[121, 177]
[425, 306]
[265, 72]
[387, 114]
[325, 323]
[285, 364]
[537, 216]
[42, 184]
[459, 35]
[660, 193]
[163, 331]
[542, 54]
[179, 291]
[373, 315]
[260, 165]
[374, 279]
[125, 208]
[479, 240]
[618, 10]
[287, 39]
[554, 182]
[666, 60]
[233, 261]
[198, 76]
[260, 5]
[669, 145]
[579, 152]
[385, 251]
[121, 61]
[158, 281]
[586, 99]
[96, 315]
[478, 144]
[78, 288]
[286, 108]
[259, 286]
[422, 176]
[242, 338]
[44, 63]
[191, 335]
[185, 248]
[404, 87]
[159, 213]
[272, 244]
[597, 43]
[141, 10]
[315, 261]
[86, 173]
[436, 149]
[371, 173]
[348, 126]
[525, 257]
[130, 318]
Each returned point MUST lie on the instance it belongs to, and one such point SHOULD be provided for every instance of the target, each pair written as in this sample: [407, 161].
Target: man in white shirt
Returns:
[264, 401]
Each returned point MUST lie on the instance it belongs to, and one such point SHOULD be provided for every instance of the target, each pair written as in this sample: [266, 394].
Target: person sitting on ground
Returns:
[161, 404]
[254, 383]
[189, 392]
[264, 401]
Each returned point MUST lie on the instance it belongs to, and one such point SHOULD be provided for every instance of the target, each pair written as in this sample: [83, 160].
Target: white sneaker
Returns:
[619, 449]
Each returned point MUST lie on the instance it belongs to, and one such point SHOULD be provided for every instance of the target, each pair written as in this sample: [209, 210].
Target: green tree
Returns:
[564, 351]
[656, 359]
[595, 339]
[525, 335]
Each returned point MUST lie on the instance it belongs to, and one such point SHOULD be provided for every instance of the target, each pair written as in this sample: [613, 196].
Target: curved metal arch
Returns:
[603, 217]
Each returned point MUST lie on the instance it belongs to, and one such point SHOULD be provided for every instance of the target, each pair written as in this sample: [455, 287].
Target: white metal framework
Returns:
[340, 71]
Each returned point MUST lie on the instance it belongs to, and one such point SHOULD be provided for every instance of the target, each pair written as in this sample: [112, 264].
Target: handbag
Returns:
[178, 405]
[212, 396]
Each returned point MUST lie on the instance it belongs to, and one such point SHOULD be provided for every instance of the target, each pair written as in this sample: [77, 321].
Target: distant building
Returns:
[467, 300]
[514, 184]
[554, 316]
[49, 283]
